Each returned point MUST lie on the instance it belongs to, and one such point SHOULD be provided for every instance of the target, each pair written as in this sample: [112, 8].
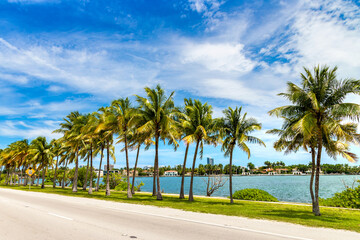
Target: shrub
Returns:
[349, 198]
[254, 195]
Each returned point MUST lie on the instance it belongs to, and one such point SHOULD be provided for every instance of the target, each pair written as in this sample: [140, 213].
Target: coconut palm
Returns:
[40, 152]
[290, 141]
[106, 133]
[199, 126]
[184, 122]
[156, 112]
[71, 128]
[91, 139]
[318, 107]
[120, 121]
[235, 128]
[56, 149]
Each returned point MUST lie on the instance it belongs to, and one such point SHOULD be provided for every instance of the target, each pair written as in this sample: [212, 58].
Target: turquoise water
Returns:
[285, 188]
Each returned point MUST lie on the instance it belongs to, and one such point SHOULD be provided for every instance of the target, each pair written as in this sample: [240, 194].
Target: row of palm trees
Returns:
[154, 120]
[314, 121]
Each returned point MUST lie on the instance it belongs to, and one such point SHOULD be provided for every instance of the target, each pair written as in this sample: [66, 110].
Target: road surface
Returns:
[31, 215]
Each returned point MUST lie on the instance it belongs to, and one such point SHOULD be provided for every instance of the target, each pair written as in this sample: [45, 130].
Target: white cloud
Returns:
[223, 57]
[27, 130]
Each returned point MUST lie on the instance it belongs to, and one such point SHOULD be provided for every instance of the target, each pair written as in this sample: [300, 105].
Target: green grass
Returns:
[331, 217]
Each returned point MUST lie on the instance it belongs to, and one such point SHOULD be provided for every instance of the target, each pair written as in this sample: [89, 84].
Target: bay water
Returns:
[288, 188]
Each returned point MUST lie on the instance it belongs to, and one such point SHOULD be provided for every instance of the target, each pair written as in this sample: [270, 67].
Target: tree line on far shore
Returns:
[316, 120]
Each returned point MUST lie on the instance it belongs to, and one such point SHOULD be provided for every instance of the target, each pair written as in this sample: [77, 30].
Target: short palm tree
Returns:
[318, 107]
[156, 113]
[235, 129]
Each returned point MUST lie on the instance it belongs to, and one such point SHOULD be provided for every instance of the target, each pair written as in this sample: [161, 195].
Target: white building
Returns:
[171, 173]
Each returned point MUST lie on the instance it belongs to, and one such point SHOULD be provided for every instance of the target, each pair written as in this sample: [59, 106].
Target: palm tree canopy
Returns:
[318, 113]
[235, 129]
[156, 112]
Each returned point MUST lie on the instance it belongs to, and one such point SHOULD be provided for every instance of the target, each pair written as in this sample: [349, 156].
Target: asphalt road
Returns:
[30, 215]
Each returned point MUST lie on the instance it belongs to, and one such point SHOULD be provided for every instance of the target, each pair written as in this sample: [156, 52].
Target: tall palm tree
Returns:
[318, 105]
[199, 127]
[184, 122]
[291, 141]
[120, 121]
[71, 128]
[156, 112]
[56, 149]
[107, 137]
[235, 129]
[91, 139]
[41, 153]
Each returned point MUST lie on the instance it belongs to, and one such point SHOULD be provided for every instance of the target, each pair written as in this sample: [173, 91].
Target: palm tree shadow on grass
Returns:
[305, 215]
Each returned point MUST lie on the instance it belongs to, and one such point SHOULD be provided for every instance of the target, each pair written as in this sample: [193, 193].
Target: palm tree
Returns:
[71, 128]
[56, 149]
[318, 107]
[107, 137]
[291, 141]
[120, 121]
[41, 153]
[184, 122]
[235, 129]
[199, 126]
[91, 139]
[156, 112]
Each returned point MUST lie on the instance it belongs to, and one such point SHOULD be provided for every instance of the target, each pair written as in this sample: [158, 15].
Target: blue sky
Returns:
[61, 56]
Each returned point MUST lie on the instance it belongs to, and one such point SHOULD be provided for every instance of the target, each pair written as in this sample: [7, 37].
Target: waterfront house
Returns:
[171, 173]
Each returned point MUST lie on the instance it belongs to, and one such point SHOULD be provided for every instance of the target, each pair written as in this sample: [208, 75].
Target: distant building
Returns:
[171, 173]
[111, 167]
[101, 172]
[147, 167]
[210, 161]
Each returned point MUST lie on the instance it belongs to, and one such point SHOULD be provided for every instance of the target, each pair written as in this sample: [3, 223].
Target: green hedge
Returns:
[349, 198]
[254, 195]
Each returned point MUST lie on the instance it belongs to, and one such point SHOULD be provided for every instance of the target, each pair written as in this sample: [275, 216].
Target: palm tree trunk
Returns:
[154, 181]
[136, 162]
[56, 167]
[38, 180]
[75, 181]
[63, 180]
[313, 153]
[7, 176]
[107, 192]
[11, 178]
[43, 178]
[182, 195]
[317, 179]
[98, 177]
[25, 177]
[87, 174]
[21, 176]
[158, 196]
[191, 195]
[230, 176]
[129, 195]
[91, 171]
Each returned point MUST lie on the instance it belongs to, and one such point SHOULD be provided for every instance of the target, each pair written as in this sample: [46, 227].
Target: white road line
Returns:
[53, 214]
[215, 224]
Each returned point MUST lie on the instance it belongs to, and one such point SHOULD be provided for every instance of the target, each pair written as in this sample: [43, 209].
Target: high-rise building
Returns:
[210, 161]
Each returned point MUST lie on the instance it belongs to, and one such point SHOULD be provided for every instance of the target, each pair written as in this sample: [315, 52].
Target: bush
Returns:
[349, 198]
[254, 195]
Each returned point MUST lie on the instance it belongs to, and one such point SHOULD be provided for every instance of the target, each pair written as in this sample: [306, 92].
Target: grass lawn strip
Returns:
[337, 218]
